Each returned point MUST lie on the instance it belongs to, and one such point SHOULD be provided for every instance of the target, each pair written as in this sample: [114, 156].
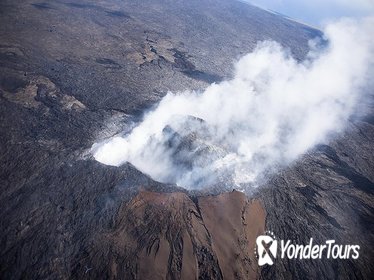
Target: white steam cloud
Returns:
[237, 132]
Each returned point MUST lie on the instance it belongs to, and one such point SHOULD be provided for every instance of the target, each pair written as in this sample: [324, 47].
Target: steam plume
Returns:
[237, 132]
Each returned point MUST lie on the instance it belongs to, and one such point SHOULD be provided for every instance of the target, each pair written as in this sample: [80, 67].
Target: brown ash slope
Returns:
[73, 73]
[171, 236]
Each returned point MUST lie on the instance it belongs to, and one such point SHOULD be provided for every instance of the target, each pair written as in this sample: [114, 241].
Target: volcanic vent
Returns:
[239, 132]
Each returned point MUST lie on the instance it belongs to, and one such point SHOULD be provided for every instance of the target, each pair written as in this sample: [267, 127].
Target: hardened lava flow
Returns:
[75, 74]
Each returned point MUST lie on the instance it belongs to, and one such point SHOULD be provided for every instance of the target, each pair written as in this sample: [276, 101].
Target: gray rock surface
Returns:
[74, 73]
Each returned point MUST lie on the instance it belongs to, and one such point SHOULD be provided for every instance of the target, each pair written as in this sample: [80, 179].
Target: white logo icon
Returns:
[266, 249]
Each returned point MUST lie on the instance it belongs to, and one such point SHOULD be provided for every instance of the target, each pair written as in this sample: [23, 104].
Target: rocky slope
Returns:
[173, 236]
[74, 73]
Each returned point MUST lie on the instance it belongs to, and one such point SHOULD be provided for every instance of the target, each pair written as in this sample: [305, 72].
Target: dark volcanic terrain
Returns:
[73, 73]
